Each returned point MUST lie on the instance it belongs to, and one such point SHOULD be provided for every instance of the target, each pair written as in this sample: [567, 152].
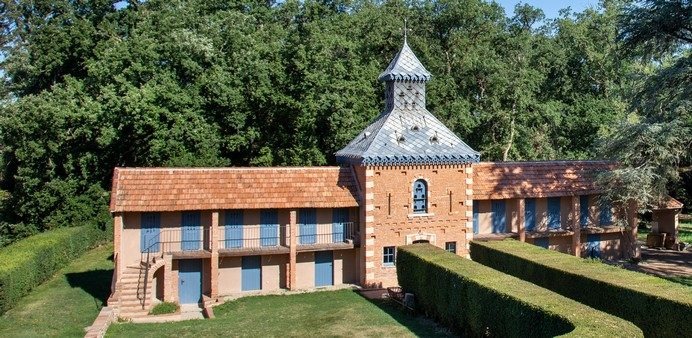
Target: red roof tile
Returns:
[501, 180]
[175, 189]
[669, 203]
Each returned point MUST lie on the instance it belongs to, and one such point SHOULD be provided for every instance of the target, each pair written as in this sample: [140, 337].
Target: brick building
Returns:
[193, 235]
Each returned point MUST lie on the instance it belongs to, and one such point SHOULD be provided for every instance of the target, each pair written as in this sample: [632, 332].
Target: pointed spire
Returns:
[405, 66]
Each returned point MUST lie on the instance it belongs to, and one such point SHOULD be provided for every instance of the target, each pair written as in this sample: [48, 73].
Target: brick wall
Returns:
[389, 219]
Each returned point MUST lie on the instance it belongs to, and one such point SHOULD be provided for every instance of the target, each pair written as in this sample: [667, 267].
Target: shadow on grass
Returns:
[418, 324]
[97, 283]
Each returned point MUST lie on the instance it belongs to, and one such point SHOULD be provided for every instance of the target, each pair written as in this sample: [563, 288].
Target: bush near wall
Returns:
[475, 300]
[659, 307]
[29, 262]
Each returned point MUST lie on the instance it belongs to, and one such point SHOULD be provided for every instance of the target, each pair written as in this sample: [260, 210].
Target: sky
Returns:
[550, 7]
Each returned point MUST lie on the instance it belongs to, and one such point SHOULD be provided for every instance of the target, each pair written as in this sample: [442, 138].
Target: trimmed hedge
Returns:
[31, 261]
[475, 300]
[659, 307]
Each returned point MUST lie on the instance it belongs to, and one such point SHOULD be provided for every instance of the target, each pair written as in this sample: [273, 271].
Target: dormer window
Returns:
[420, 197]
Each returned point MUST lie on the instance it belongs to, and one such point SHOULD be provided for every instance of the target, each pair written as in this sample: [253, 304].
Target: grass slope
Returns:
[341, 313]
[66, 303]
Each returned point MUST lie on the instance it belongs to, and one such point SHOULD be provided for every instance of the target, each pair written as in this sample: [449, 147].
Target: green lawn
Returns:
[65, 304]
[320, 314]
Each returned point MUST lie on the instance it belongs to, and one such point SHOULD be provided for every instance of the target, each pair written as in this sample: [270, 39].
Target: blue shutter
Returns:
[233, 229]
[584, 210]
[593, 248]
[475, 216]
[543, 242]
[530, 214]
[499, 216]
[339, 217]
[251, 273]
[554, 213]
[606, 214]
[192, 231]
[150, 232]
[308, 226]
[269, 228]
[324, 268]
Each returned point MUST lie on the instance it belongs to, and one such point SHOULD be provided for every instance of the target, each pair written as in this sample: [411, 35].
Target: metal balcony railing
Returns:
[253, 236]
[311, 234]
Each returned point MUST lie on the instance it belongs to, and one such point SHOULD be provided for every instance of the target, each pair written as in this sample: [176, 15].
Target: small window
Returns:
[388, 255]
[420, 197]
[451, 247]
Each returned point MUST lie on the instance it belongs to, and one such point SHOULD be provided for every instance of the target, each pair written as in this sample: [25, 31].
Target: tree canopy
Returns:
[88, 86]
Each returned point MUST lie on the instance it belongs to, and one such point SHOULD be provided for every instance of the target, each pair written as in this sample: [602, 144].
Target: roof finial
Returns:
[405, 30]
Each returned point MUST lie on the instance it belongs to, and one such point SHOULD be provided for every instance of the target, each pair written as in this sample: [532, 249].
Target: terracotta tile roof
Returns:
[500, 180]
[669, 203]
[174, 189]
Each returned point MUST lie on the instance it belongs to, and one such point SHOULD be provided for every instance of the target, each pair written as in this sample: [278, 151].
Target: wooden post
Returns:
[214, 255]
[521, 206]
[293, 254]
[576, 226]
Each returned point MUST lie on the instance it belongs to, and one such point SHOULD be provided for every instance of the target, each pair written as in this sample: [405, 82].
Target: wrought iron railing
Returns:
[253, 236]
[311, 234]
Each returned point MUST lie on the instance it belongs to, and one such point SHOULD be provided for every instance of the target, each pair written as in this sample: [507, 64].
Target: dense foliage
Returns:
[659, 307]
[478, 301]
[31, 261]
[89, 85]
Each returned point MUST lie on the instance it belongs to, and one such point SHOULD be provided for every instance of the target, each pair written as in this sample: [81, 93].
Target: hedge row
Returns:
[475, 300]
[29, 262]
[660, 308]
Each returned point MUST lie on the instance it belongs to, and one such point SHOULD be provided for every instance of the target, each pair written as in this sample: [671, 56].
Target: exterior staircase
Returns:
[130, 297]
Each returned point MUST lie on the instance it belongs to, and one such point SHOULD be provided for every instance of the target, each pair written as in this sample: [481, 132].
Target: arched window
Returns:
[420, 197]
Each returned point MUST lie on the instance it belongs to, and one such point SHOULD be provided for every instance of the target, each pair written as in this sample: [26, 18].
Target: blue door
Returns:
[475, 216]
[499, 216]
[251, 273]
[151, 230]
[593, 246]
[192, 231]
[530, 214]
[324, 268]
[543, 242]
[233, 226]
[307, 220]
[584, 210]
[269, 228]
[189, 281]
[339, 217]
[554, 213]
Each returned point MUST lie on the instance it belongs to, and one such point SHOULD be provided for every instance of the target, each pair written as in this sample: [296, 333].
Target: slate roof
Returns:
[537, 179]
[178, 189]
[405, 67]
[406, 132]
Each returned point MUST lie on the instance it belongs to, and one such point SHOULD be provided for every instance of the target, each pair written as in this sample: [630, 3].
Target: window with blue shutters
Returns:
[233, 224]
[554, 213]
[339, 220]
[499, 216]
[583, 210]
[269, 228]
[420, 197]
[388, 255]
[530, 214]
[606, 214]
[475, 216]
[192, 231]
[150, 232]
[307, 222]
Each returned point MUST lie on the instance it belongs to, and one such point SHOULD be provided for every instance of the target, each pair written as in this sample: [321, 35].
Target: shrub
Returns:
[475, 300]
[164, 308]
[660, 308]
[29, 262]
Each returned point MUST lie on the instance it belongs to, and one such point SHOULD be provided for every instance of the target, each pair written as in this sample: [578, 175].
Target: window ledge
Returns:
[420, 215]
[389, 265]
